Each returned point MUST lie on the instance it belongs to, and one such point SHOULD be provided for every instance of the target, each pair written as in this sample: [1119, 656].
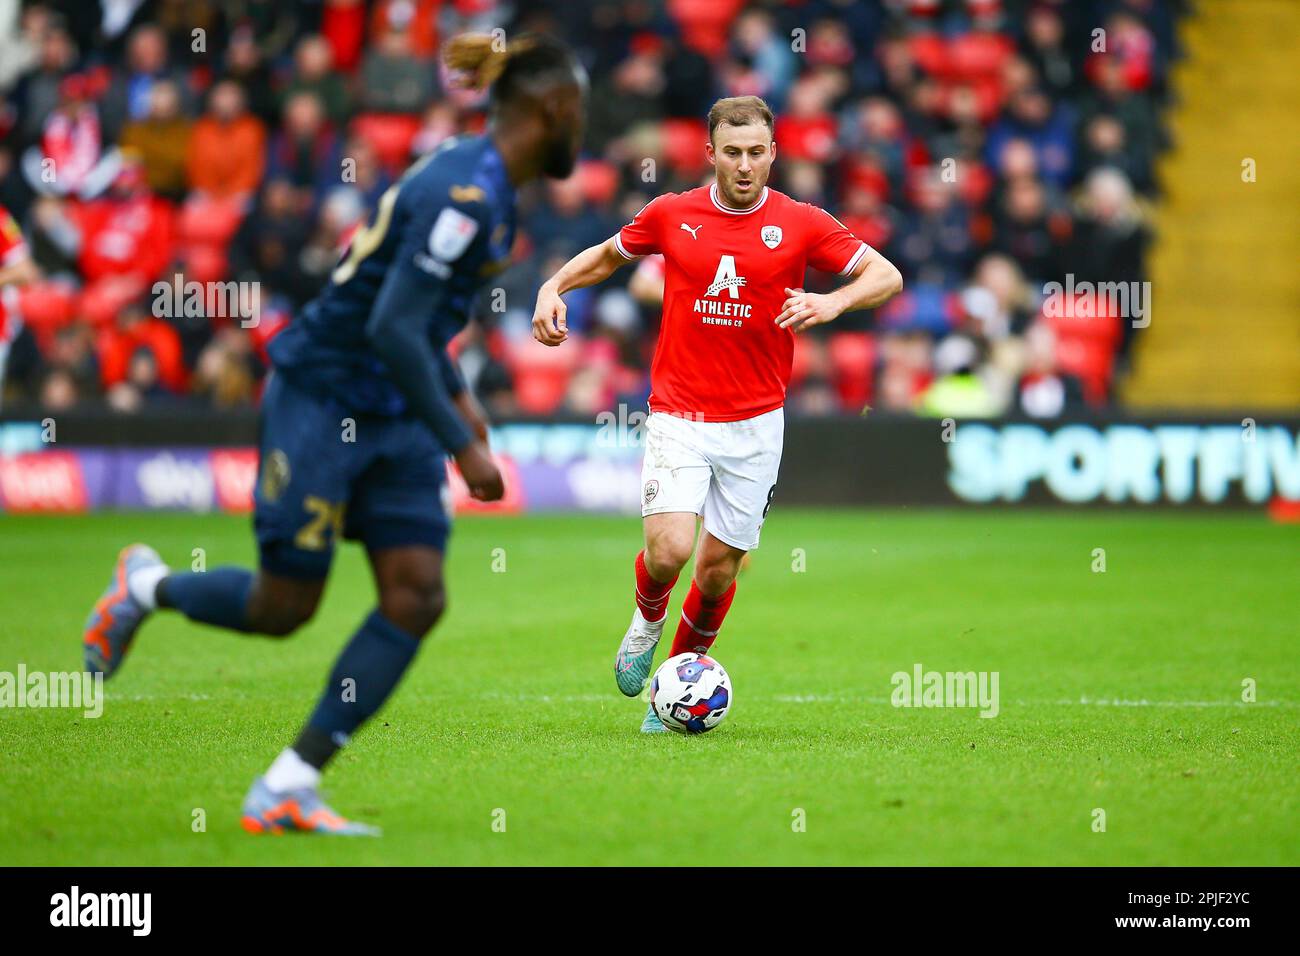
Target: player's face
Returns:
[742, 157]
[565, 123]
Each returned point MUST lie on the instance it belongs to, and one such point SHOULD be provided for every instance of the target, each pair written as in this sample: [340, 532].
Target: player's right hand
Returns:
[550, 318]
[480, 472]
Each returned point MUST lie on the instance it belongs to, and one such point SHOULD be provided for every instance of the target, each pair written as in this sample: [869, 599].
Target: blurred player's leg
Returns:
[409, 581]
[121, 609]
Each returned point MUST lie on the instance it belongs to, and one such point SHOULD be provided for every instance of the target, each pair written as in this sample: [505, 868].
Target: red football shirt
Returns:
[12, 251]
[720, 355]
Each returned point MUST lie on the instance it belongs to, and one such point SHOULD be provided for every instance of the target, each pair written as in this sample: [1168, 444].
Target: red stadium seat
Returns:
[683, 145]
[205, 263]
[930, 53]
[1085, 346]
[390, 135]
[47, 307]
[978, 55]
[805, 359]
[541, 374]
[211, 221]
[853, 361]
[101, 301]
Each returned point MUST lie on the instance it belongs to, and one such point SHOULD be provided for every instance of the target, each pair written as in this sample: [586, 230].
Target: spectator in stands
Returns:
[631, 93]
[22, 33]
[1111, 237]
[1032, 116]
[227, 151]
[140, 359]
[71, 159]
[393, 78]
[1045, 48]
[959, 389]
[125, 241]
[937, 247]
[162, 139]
[306, 150]
[313, 73]
[946, 132]
[129, 96]
[225, 374]
[246, 66]
[1105, 143]
[1135, 110]
[763, 62]
[37, 94]
[1043, 390]
[1029, 231]
[267, 244]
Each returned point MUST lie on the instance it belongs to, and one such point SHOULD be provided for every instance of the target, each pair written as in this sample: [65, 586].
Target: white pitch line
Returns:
[777, 698]
[1061, 702]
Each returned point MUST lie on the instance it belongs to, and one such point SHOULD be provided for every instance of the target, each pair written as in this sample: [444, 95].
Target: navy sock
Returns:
[219, 596]
[363, 677]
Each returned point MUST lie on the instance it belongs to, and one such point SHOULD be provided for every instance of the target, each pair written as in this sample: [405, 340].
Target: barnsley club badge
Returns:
[771, 236]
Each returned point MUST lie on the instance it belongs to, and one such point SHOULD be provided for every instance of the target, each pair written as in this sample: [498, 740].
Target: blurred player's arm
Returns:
[462, 397]
[647, 282]
[876, 280]
[20, 272]
[396, 331]
[590, 266]
[16, 266]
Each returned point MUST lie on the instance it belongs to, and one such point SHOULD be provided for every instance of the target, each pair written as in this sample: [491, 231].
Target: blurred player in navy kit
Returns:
[370, 350]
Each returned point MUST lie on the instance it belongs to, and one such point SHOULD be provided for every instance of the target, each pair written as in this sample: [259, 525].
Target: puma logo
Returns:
[693, 231]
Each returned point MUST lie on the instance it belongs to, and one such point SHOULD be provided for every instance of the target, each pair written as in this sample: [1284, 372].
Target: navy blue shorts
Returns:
[381, 481]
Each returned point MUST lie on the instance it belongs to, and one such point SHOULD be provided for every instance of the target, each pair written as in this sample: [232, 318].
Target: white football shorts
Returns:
[725, 472]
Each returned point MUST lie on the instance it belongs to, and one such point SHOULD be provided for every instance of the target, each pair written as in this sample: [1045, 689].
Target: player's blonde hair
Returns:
[741, 111]
[482, 57]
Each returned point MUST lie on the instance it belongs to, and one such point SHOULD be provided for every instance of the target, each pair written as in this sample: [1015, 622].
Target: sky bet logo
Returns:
[103, 909]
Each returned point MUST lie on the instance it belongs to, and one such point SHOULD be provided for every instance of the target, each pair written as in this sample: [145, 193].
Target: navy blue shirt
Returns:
[436, 237]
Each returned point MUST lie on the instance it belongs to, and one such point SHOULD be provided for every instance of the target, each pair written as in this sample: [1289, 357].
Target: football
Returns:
[691, 693]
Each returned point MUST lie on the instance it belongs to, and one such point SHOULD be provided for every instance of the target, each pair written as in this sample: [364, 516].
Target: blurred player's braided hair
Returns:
[521, 67]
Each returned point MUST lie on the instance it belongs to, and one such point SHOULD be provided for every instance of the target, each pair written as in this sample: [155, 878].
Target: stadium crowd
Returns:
[987, 147]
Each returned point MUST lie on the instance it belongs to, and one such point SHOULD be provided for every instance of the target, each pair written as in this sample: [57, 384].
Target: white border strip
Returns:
[713, 194]
[853, 263]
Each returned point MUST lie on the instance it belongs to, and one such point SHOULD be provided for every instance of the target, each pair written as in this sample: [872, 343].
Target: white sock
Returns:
[648, 627]
[291, 772]
[143, 584]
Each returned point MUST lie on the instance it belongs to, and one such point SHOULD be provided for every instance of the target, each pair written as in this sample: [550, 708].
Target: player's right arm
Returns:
[592, 265]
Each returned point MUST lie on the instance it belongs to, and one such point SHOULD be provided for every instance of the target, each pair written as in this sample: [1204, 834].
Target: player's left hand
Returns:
[803, 310]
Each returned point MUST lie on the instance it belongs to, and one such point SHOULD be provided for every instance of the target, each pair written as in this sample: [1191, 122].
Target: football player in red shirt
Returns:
[735, 253]
[16, 268]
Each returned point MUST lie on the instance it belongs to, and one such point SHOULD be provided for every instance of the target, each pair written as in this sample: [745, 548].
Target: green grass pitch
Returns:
[1120, 691]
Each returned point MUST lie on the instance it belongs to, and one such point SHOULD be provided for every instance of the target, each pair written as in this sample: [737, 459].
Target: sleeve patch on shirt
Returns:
[451, 235]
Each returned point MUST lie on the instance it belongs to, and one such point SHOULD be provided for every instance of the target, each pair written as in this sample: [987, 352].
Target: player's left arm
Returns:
[832, 248]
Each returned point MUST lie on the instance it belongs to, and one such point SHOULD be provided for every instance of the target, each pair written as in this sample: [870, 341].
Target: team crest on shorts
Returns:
[651, 490]
[771, 236]
[275, 475]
